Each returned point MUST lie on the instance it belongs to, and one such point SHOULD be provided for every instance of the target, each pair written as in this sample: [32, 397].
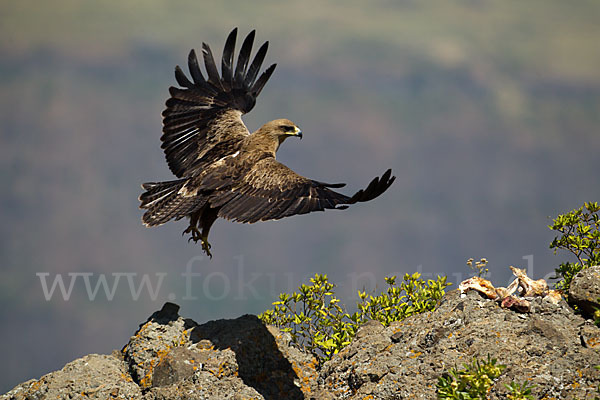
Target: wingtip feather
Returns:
[181, 78]
[194, 67]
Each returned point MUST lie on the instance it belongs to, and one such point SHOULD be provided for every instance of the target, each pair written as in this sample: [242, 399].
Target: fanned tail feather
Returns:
[164, 202]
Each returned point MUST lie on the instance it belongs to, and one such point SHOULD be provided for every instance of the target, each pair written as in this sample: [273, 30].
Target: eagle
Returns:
[222, 169]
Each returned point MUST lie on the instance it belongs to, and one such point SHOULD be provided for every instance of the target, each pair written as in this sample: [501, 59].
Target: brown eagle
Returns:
[224, 170]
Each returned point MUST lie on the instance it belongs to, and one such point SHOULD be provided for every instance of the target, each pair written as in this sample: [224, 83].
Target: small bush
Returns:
[319, 324]
[519, 391]
[580, 235]
[472, 382]
[475, 380]
[313, 317]
[419, 296]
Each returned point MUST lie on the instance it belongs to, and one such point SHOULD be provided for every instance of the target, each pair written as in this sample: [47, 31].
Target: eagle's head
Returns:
[281, 129]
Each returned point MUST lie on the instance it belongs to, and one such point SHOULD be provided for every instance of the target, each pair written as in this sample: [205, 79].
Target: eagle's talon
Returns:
[195, 233]
[206, 247]
[197, 236]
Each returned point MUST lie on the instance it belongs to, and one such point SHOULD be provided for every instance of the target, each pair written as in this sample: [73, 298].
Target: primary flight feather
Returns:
[223, 169]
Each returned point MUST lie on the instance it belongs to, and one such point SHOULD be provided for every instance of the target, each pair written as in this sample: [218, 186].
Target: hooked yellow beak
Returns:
[298, 133]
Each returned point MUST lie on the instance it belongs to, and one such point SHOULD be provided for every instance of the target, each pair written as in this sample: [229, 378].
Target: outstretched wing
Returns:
[202, 122]
[270, 190]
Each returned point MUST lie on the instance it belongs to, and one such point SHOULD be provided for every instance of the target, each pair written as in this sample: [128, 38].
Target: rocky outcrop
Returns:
[549, 347]
[171, 357]
[225, 359]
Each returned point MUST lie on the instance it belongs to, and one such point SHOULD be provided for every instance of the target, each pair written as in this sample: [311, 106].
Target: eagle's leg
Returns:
[193, 228]
[209, 216]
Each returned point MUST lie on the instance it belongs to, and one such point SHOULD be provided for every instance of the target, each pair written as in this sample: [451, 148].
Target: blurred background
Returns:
[488, 113]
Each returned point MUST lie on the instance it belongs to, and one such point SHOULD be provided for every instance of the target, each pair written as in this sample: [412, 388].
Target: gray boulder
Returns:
[91, 377]
[584, 290]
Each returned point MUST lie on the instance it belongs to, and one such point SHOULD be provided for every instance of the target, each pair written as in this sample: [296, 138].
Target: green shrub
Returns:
[475, 380]
[419, 296]
[313, 317]
[520, 391]
[579, 234]
[319, 324]
[471, 383]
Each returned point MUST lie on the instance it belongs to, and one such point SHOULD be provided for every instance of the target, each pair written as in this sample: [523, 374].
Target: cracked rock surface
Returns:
[171, 357]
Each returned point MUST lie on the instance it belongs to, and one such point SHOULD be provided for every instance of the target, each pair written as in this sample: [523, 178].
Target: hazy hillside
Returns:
[488, 112]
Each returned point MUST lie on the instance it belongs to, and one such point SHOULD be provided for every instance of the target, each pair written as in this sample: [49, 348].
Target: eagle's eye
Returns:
[287, 128]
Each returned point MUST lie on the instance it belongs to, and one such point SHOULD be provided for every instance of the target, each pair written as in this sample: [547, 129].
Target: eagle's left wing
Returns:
[202, 122]
[271, 190]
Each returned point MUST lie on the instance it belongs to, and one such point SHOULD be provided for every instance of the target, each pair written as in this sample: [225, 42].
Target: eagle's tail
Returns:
[166, 200]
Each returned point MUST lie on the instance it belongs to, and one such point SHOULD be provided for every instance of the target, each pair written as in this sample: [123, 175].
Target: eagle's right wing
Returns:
[202, 122]
[271, 190]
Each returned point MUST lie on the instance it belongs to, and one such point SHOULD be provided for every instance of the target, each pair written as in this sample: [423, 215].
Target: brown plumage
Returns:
[223, 170]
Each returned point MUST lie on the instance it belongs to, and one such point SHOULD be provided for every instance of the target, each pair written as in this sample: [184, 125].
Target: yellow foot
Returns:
[206, 246]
